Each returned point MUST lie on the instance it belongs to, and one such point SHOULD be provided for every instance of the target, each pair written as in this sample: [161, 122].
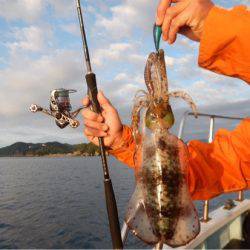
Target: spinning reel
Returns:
[60, 108]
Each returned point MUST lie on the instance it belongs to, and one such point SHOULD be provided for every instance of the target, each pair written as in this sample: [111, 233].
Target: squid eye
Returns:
[169, 119]
[150, 119]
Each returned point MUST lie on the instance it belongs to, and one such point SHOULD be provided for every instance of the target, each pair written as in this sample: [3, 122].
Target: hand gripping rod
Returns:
[109, 192]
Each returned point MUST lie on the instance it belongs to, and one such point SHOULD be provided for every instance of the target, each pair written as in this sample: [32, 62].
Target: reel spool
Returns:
[60, 108]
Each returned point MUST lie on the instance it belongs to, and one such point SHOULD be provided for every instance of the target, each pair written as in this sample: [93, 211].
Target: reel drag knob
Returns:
[58, 115]
[74, 124]
[33, 108]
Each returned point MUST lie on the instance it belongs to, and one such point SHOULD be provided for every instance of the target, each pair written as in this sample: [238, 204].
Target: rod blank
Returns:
[112, 211]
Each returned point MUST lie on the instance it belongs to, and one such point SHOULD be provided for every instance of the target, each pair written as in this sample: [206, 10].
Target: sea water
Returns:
[59, 202]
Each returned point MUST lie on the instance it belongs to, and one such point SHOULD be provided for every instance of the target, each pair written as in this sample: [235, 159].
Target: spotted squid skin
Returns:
[161, 209]
[164, 188]
[161, 179]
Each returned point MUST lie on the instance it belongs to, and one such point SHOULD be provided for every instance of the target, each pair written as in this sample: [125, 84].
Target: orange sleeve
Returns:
[224, 45]
[221, 166]
[214, 168]
[125, 151]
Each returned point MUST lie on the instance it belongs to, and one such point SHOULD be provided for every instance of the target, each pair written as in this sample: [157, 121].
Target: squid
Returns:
[160, 209]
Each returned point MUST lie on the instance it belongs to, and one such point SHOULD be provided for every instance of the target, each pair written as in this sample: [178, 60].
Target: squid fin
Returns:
[188, 225]
[137, 219]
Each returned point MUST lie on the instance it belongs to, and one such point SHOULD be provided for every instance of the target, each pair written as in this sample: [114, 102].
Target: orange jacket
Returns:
[223, 165]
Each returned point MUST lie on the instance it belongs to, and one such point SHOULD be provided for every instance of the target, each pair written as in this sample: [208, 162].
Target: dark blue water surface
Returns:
[59, 202]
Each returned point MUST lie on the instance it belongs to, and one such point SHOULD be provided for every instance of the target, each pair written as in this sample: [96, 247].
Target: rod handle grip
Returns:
[113, 215]
[92, 91]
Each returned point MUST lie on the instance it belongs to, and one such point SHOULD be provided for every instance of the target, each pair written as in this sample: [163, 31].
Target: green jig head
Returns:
[157, 31]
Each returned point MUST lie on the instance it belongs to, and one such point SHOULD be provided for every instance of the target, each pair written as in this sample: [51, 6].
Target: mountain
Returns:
[48, 148]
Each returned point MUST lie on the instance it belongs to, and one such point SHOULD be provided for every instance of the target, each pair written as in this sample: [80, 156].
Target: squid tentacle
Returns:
[186, 97]
[148, 76]
[140, 102]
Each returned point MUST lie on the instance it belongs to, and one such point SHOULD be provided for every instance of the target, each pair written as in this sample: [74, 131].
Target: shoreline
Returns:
[69, 155]
[49, 149]
[48, 156]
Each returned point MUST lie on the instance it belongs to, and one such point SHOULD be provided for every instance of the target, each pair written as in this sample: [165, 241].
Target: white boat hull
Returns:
[224, 226]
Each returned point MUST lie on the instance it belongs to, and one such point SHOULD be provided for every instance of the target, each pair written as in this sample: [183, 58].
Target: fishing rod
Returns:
[92, 92]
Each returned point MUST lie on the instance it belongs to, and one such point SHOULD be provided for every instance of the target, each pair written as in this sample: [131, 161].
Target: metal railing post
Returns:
[124, 232]
[240, 195]
[182, 124]
[158, 246]
[210, 139]
[206, 202]
[211, 130]
[205, 211]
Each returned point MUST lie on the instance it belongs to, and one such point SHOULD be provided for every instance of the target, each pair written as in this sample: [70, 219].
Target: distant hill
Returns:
[49, 148]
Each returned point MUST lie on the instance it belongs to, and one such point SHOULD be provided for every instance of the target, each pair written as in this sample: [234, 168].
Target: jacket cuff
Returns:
[126, 140]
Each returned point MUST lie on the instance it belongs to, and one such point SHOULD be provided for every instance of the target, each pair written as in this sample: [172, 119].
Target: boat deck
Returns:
[223, 227]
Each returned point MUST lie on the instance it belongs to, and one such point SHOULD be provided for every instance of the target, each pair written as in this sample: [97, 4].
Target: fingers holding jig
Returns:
[161, 11]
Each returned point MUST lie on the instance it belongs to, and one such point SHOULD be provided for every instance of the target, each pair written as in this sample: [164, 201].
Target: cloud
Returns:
[37, 128]
[63, 8]
[113, 52]
[39, 58]
[71, 28]
[118, 52]
[213, 89]
[231, 3]
[198, 128]
[183, 74]
[27, 10]
[31, 38]
[30, 81]
[33, 10]
[121, 91]
[127, 17]
[169, 60]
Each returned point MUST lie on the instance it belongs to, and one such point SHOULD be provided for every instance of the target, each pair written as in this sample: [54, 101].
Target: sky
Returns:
[40, 50]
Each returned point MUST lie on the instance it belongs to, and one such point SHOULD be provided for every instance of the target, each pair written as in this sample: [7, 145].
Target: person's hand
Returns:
[107, 124]
[186, 17]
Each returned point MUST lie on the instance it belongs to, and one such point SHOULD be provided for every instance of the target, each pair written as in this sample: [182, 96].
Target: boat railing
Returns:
[212, 117]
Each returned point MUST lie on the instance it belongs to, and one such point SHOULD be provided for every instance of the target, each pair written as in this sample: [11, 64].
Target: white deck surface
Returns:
[224, 224]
